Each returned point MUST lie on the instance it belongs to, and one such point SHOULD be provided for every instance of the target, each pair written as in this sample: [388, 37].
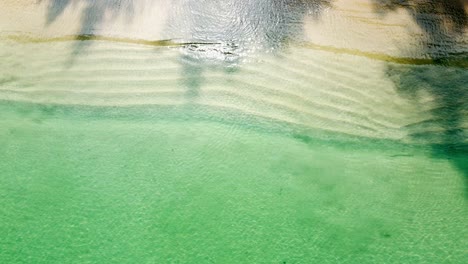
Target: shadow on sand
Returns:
[92, 16]
[221, 32]
[443, 24]
[217, 33]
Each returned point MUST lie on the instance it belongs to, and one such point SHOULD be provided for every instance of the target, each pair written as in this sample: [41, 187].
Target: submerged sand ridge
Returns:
[87, 60]
[325, 92]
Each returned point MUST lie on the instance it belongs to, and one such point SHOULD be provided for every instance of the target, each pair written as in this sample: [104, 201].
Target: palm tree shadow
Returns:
[261, 25]
[222, 40]
[443, 24]
[91, 19]
[446, 131]
[55, 8]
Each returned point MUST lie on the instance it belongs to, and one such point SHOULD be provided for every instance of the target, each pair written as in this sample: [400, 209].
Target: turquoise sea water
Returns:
[87, 186]
[265, 150]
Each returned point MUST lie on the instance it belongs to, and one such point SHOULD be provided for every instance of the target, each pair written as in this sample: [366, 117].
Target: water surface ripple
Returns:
[230, 131]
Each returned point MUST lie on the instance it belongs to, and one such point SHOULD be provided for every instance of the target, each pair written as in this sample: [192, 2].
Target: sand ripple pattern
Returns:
[312, 89]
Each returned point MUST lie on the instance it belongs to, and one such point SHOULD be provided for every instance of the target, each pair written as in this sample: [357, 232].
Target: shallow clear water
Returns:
[227, 149]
